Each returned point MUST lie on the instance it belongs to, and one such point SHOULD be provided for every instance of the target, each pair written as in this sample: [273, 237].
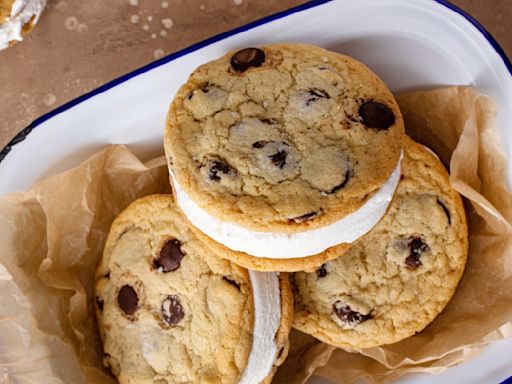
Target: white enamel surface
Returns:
[287, 246]
[267, 318]
[410, 44]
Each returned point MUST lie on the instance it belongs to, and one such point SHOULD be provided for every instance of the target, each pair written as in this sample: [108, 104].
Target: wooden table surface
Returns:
[79, 45]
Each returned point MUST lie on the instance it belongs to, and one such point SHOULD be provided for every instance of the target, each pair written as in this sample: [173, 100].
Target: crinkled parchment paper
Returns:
[459, 125]
[50, 239]
[52, 236]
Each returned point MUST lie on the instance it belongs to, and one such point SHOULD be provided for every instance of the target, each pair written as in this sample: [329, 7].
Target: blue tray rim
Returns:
[22, 135]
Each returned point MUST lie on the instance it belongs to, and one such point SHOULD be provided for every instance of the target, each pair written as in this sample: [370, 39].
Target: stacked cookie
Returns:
[285, 158]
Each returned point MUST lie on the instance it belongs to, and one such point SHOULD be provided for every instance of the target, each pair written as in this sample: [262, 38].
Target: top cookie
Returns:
[254, 128]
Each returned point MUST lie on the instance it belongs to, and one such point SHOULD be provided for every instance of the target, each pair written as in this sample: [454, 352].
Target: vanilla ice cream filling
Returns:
[21, 13]
[291, 245]
[267, 319]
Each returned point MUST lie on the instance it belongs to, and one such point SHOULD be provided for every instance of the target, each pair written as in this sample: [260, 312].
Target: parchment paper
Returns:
[52, 236]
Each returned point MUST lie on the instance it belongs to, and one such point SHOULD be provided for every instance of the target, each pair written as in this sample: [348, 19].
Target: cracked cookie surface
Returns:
[168, 310]
[396, 279]
[282, 138]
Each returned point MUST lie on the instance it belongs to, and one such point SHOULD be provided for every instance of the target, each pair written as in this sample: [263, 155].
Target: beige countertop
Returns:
[79, 45]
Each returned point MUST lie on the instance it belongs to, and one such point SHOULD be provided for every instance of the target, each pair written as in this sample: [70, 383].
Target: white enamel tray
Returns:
[410, 44]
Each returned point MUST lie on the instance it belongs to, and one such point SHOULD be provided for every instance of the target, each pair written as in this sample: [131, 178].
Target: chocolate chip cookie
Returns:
[395, 280]
[170, 312]
[282, 138]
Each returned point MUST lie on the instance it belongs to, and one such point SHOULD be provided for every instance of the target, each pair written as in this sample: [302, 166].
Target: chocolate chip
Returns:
[348, 175]
[417, 247]
[269, 121]
[321, 271]
[99, 303]
[305, 217]
[446, 211]
[347, 315]
[246, 58]
[279, 158]
[232, 282]
[376, 115]
[217, 167]
[107, 276]
[172, 311]
[275, 161]
[127, 300]
[170, 256]
[259, 144]
[412, 261]
[315, 95]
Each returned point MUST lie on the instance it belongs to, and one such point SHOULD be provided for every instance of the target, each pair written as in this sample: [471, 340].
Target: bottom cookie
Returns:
[171, 312]
[396, 279]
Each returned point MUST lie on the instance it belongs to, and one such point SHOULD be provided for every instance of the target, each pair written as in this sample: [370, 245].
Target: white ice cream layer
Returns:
[21, 13]
[291, 245]
[267, 318]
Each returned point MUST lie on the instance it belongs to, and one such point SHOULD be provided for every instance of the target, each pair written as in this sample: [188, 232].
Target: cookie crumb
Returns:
[61, 5]
[71, 23]
[167, 23]
[82, 28]
[49, 99]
